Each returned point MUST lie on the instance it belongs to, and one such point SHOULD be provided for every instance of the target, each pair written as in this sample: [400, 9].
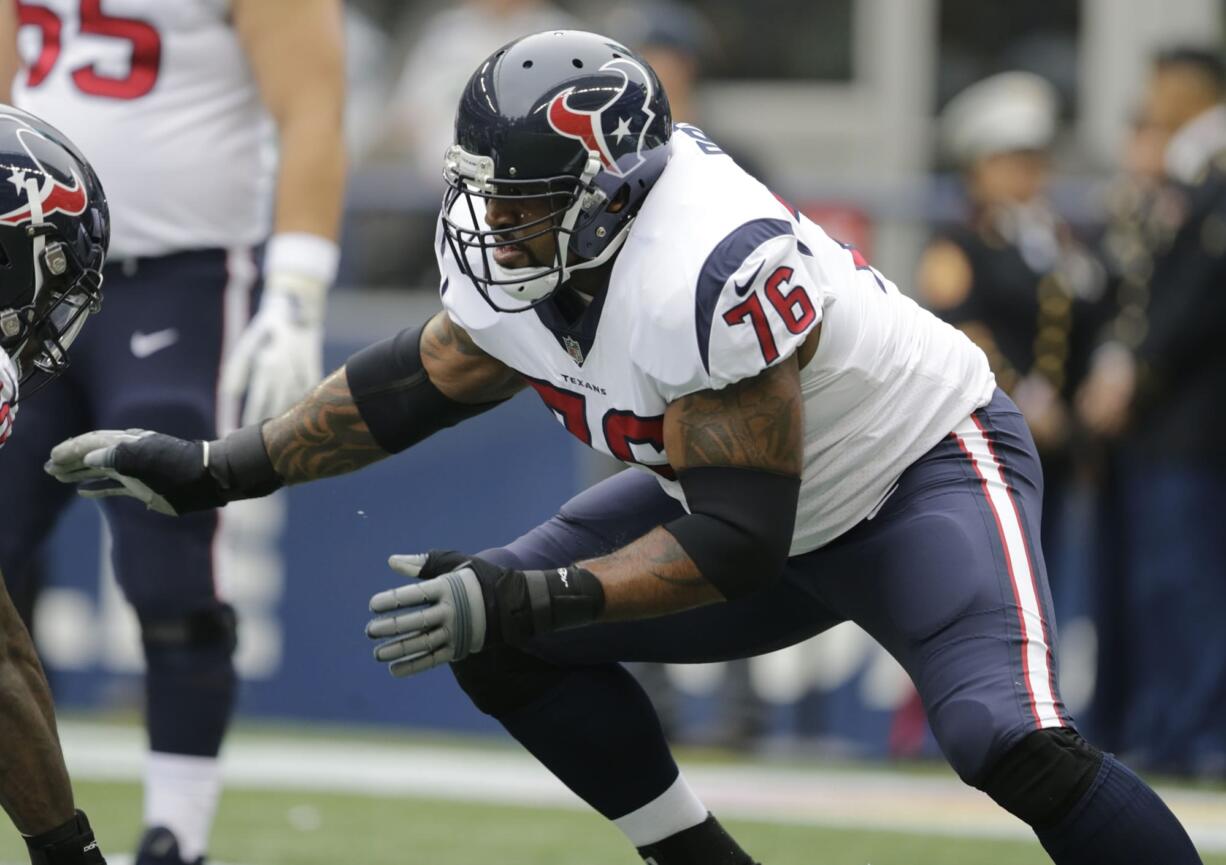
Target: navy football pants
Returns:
[149, 359]
[948, 576]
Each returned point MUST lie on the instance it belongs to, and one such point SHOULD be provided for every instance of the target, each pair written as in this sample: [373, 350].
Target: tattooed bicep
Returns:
[757, 422]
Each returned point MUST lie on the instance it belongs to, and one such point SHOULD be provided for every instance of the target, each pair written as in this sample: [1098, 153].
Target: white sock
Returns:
[673, 811]
[181, 793]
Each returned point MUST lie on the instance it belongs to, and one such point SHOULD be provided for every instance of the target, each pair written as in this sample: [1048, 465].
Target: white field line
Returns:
[880, 800]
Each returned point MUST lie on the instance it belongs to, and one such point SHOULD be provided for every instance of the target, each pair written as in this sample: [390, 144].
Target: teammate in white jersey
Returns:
[807, 447]
[214, 122]
[53, 239]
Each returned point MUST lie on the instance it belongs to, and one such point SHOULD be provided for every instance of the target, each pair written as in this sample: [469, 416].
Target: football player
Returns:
[807, 446]
[53, 239]
[183, 107]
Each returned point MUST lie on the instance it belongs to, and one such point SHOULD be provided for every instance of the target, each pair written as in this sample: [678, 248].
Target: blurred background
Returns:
[1028, 209]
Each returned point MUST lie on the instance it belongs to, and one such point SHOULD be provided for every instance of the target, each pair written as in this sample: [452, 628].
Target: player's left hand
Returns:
[279, 357]
[167, 474]
[463, 604]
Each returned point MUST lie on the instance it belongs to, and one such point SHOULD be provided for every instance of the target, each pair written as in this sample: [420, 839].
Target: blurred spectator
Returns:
[420, 118]
[1012, 276]
[367, 50]
[675, 39]
[1137, 204]
[1158, 383]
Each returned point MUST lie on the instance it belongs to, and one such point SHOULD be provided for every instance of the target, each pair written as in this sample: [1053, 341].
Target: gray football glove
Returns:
[465, 604]
[433, 622]
[169, 475]
[89, 460]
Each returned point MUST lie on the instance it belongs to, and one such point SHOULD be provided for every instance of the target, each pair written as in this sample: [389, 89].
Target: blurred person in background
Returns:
[431, 54]
[181, 105]
[1012, 276]
[53, 237]
[420, 117]
[1156, 387]
[1135, 202]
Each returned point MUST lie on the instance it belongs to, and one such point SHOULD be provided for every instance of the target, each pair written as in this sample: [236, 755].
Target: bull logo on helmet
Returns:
[618, 118]
[54, 195]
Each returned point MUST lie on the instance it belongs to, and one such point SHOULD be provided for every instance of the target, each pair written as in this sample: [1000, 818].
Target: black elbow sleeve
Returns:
[739, 528]
[395, 396]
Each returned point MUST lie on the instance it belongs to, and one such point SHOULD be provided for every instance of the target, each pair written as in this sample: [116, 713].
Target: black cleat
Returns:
[159, 846]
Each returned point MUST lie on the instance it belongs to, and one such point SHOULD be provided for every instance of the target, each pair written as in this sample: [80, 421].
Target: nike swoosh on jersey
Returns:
[145, 344]
[743, 287]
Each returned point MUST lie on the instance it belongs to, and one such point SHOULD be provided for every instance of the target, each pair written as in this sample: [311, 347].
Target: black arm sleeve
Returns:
[395, 396]
[739, 528]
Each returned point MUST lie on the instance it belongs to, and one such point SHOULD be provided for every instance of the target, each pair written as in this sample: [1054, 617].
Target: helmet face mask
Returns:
[68, 295]
[574, 128]
[54, 230]
[469, 196]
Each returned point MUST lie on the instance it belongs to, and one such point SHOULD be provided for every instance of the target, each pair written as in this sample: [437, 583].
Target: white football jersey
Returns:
[160, 97]
[718, 280]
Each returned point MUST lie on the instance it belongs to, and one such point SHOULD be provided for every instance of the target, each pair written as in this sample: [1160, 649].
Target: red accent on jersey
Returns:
[624, 428]
[791, 207]
[49, 27]
[143, 37]
[794, 308]
[570, 407]
[751, 308]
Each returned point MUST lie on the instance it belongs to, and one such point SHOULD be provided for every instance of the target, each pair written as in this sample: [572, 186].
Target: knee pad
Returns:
[501, 680]
[1043, 776]
[191, 684]
[214, 628]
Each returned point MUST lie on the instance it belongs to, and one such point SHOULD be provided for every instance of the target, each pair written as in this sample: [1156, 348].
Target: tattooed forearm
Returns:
[34, 787]
[758, 422]
[650, 577]
[322, 436]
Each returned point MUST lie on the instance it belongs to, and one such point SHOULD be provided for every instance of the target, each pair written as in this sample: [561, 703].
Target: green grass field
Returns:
[257, 827]
[341, 815]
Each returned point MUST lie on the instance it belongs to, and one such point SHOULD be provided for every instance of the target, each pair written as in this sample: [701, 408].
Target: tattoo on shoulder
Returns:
[443, 335]
[321, 437]
[757, 422]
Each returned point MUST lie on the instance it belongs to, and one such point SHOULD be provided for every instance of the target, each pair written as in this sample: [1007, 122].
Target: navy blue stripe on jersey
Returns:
[725, 260]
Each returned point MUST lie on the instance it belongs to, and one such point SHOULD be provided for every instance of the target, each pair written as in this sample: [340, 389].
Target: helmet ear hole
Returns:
[620, 200]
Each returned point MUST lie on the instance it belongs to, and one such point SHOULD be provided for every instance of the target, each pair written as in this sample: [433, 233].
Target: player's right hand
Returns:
[169, 475]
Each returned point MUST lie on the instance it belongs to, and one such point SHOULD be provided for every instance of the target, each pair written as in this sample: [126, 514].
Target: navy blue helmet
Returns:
[54, 229]
[564, 114]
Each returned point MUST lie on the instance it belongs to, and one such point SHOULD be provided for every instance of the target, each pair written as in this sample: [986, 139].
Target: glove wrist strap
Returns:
[563, 598]
[241, 466]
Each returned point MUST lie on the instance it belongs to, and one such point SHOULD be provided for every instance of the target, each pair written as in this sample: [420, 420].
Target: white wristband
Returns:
[307, 256]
